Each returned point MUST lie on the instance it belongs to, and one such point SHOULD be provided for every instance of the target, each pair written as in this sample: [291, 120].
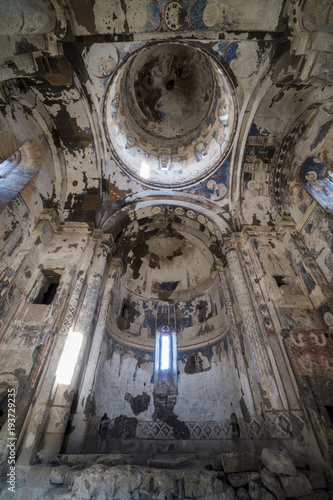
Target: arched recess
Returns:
[301, 184]
[169, 254]
[25, 119]
[171, 261]
[274, 113]
[110, 218]
[306, 147]
[70, 136]
[17, 171]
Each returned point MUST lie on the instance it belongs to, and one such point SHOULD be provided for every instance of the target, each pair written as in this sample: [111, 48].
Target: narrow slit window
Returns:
[329, 410]
[165, 352]
[165, 358]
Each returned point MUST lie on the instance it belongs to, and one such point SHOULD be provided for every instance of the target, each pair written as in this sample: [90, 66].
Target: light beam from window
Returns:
[165, 352]
[69, 357]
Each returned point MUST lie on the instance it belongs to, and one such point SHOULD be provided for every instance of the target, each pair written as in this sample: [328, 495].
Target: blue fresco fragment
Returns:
[318, 182]
[326, 314]
[258, 131]
[232, 52]
[153, 16]
[307, 278]
[196, 15]
[167, 286]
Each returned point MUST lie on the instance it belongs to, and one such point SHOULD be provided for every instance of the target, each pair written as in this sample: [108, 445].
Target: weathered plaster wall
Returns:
[208, 386]
[241, 262]
[57, 120]
[317, 235]
[33, 334]
[27, 328]
[197, 319]
[163, 16]
[290, 125]
[308, 201]
[292, 300]
[123, 405]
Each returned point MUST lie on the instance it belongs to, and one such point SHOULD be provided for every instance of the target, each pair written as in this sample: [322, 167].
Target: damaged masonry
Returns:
[166, 269]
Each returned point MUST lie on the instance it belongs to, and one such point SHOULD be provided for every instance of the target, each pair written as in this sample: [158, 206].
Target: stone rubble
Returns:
[273, 477]
[271, 482]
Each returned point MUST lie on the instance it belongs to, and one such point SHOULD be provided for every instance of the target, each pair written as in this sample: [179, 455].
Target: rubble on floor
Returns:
[234, 476]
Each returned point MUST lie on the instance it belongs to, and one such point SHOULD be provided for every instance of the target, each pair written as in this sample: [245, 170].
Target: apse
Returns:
[166, 269]
[166, 370]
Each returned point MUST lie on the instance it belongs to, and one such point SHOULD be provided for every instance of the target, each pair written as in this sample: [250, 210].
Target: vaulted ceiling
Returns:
[141, 107]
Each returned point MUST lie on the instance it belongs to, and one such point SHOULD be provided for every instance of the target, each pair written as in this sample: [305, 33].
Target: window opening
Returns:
[16, 171]
[48, 289]
[280, 280]
[165, 352]
[165, 359]
[329, 410]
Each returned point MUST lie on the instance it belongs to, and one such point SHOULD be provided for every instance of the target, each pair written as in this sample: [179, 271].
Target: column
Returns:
[74, 355]
[252, 398]
[260, 360]
[62, 373]
[80, 420]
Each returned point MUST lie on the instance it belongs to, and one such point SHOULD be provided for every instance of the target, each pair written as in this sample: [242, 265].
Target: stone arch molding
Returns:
[171, 250]
[218, 222]
[302, 173]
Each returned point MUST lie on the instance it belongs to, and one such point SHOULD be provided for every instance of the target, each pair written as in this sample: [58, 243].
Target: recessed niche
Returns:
[280, 280]
[48, 286]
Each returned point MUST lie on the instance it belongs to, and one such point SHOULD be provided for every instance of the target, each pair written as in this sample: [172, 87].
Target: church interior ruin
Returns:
[166, 269]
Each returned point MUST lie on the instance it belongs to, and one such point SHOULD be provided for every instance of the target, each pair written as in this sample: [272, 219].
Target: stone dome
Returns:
[157, 250]
[170, 114]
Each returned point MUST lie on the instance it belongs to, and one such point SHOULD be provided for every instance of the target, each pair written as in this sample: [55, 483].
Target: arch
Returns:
[113, 217]
[17, 171]
[306, 148]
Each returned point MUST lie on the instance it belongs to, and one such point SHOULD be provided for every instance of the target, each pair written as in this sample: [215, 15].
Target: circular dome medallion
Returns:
[170, 115]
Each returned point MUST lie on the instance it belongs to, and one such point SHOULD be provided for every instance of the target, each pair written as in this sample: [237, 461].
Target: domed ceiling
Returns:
[166, 256]
[170, 114]
[169, 275]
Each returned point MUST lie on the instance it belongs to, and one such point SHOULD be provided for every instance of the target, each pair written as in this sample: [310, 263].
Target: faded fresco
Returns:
[166, 269]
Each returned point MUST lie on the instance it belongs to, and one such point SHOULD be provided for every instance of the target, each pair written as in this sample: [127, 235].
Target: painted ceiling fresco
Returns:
[170, 115]
[168, 162]
[185, 101]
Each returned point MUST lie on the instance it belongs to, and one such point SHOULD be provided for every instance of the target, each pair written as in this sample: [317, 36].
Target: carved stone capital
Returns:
[108, 243]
